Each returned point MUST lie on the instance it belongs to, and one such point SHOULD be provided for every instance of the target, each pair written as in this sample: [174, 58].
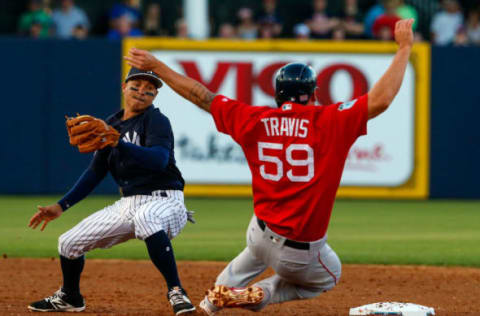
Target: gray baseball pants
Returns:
[299, 274]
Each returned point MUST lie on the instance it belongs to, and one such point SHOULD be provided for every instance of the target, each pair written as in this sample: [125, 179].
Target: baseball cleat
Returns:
[180, 302]
[59, 302]
[207, 308]
[225, 297]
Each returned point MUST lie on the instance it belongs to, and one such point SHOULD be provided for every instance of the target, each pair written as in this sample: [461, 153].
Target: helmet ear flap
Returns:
[280, 98]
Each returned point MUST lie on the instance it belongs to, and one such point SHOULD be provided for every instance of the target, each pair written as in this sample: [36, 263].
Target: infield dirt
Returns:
[117, 287]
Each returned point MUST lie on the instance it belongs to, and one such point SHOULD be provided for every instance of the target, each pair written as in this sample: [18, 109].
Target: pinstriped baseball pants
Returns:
[138, 216]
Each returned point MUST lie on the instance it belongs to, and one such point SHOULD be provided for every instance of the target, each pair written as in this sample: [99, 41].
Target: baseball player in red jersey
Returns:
[296, 154]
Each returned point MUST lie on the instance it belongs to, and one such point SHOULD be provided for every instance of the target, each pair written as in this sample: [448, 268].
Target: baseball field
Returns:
[424, 252]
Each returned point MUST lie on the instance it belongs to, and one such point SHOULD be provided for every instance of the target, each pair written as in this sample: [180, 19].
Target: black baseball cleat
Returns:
[59, 302]
[180, 302]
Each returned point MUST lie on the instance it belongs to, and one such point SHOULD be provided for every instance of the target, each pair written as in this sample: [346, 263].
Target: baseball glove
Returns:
[90, 134]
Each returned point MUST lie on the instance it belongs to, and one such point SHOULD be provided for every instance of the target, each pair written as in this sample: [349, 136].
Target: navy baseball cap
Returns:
[148, 75]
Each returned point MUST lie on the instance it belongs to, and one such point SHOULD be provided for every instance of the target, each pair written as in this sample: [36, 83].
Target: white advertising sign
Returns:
[384, 157]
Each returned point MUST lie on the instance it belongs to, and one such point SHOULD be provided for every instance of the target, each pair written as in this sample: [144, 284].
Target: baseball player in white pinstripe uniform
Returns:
[151, 208]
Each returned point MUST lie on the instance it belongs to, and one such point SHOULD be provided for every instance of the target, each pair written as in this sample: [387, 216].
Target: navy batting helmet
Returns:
[295, 82]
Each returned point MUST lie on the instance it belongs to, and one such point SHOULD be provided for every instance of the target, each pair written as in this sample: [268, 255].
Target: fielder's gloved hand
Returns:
[90, 134]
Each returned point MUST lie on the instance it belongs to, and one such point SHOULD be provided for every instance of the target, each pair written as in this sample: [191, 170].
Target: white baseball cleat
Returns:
[207, 308]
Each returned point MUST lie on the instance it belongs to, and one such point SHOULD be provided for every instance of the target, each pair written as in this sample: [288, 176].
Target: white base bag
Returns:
[392, 309]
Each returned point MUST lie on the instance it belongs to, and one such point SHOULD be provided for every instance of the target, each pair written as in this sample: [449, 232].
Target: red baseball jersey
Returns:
[296, 154]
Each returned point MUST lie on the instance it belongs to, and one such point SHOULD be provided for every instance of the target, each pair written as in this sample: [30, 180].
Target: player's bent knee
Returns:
[66, 247]
[326, 283]
[332, 270]
[331, 285]
[62, 245]
[144, 228]
[332, 281]
[311, 292]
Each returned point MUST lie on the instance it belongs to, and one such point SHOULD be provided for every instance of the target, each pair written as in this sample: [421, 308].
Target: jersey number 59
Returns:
[309, 161]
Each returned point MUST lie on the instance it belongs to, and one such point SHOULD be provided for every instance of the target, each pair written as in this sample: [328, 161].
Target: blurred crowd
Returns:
[448, 22]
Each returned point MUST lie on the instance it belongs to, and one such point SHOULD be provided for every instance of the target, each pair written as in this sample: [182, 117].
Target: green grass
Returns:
[387, 232]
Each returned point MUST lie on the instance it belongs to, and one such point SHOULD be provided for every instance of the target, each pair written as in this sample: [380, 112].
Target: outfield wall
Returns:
[41, 82]
[455, 130]
[69, 77]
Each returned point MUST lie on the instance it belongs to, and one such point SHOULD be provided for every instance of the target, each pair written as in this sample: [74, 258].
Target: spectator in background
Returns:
[351, 22]
[247, 28]
[372, 14]
[129, 8]
[181, 29]
[301, 31]
[152, 25]
[446, 23]
[339, 34]
[123, 27]
[473, 27]
[461, 38]
[383, 33]
[36, 22]
[67, 17]
[402, 10]
[35, 30]
[47, 6]
[268, 28]
[227, 31]
[321, 24]
[270, 21]
[405, 11]
[80, 32]
[384, 26]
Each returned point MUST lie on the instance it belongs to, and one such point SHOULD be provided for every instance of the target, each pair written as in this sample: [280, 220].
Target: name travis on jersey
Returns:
[286, 126]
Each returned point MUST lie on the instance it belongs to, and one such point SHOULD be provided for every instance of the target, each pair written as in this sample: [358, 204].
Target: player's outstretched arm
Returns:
[385, 90]
[188, 88]
[45, 214]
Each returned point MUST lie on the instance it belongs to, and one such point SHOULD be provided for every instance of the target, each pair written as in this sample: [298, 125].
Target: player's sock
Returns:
[161, 253]
[72, 269]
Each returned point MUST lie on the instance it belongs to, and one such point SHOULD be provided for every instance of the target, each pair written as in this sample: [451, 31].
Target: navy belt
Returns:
[288, 242]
